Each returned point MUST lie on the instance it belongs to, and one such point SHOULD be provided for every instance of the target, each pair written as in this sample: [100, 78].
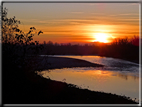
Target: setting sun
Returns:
[101, 37]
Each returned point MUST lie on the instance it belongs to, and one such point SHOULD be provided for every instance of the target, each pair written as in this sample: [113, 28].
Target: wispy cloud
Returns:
[128, 14]
[76, 12]
[110, 19]
[113, 15]
[131, 19]
[98, 13]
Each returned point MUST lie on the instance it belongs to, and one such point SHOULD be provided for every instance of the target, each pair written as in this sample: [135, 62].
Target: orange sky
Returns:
[77, 22]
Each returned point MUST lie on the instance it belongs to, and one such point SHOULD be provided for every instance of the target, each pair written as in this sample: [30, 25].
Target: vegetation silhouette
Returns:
[21, 85]
[17, 46]
[122, 48]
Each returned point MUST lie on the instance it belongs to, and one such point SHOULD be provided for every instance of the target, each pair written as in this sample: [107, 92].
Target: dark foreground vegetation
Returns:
[20, 83]
[21, 86]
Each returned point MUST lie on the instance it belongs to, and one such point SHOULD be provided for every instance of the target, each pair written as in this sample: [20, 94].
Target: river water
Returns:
[117, 77]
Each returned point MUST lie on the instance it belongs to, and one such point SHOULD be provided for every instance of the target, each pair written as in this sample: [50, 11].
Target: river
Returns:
[117, 77]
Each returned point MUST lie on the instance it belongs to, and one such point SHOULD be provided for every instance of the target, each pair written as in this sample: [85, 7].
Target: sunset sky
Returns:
[77, 22]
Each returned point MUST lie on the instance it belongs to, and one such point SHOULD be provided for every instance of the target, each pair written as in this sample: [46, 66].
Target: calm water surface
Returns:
[118, 76]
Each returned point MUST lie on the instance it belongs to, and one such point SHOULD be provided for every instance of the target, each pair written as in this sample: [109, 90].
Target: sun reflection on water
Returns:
[98, 80]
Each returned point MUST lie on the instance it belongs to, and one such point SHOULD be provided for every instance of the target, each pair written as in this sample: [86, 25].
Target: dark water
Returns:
[118, 76]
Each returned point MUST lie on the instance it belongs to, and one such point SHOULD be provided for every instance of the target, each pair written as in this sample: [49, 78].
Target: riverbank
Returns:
[29, 88]
[127, 59]
[49, 62]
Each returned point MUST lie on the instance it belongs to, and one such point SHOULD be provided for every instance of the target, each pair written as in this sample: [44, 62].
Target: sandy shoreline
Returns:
[46, 63]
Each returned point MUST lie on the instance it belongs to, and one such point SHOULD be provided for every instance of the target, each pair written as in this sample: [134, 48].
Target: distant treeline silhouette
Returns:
[119, 48]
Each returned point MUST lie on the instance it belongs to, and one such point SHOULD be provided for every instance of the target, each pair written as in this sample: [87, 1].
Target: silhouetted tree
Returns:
[16, 43]
[135, 40]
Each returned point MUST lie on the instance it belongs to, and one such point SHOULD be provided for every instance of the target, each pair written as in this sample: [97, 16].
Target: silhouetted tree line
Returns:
[119, 48]
[122, 48]
[67, 49]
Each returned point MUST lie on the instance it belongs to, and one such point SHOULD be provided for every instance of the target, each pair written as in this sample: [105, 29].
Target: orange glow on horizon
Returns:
[81, 33]
[102, 37]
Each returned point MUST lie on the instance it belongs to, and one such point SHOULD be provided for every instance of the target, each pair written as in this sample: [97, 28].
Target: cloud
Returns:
[76, 12]
[113, 15]
[126, 32]
[132, 19]
[98, 13]
[114, 19]
[127, 14]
